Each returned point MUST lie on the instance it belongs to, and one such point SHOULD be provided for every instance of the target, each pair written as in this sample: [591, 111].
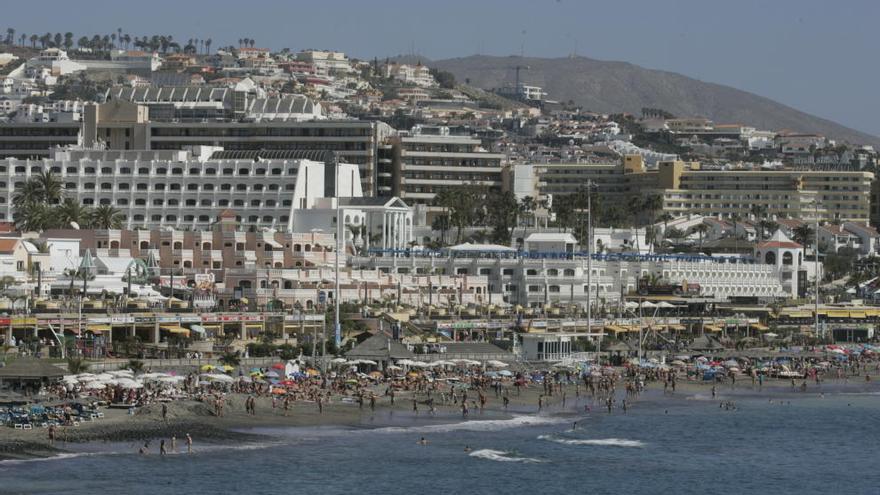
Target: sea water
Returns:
[786, 442]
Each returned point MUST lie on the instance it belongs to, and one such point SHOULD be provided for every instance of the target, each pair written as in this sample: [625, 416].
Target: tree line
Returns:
[42, 203]
[116, 40]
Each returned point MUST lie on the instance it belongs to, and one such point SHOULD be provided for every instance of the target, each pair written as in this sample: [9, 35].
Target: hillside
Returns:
[604, 86]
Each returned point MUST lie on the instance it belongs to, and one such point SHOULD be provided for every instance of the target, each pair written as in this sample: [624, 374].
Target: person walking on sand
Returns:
[162, 450]
[51, 434]
[189, 444]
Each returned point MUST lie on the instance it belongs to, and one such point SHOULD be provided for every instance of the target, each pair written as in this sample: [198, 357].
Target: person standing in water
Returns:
[189, 444]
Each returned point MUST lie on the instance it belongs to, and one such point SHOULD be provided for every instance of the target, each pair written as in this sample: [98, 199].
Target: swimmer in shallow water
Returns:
[467, 448]
[422, 441]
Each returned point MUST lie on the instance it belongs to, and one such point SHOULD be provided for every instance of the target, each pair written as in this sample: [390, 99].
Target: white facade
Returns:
[535, 281]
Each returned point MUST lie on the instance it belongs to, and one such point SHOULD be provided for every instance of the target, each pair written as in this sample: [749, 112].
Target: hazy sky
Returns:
[817, 56]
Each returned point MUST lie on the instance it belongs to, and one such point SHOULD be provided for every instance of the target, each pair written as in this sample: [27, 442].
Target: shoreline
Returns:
[196, 419]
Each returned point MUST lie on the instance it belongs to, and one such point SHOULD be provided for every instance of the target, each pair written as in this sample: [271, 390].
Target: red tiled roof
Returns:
[8, 245]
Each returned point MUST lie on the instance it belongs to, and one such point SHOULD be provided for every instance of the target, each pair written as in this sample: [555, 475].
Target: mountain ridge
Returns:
[619, 86]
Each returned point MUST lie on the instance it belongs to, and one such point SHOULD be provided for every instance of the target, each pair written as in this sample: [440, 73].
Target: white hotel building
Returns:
[284, 190]
[540, 275]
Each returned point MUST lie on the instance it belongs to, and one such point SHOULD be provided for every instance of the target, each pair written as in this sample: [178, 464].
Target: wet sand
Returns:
[199, 421]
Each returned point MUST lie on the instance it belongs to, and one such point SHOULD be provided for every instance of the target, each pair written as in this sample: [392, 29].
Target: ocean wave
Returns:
[56, 457]
[502, 456]
[475, 425]
[153, 452]
[604, 442]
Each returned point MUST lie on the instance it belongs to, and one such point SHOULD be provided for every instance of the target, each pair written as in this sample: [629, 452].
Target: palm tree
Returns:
[653, 203]
[802, 234]
[105, 217]
[230, 359]
[70, 211]
[34, 38]
[49, 187]
[135, 366]
[208, 45]
[701, 230]
[77, 365]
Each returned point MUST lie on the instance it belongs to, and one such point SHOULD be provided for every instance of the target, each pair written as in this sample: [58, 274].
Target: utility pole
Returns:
[337, 297]
[590, 185]
[816, 261]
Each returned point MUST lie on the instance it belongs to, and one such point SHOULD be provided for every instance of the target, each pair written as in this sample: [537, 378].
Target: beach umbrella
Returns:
[272, 374]
[207, 367]
[505, 373]
[204, 383]
[393, 368]
[677, 362]
[731, 362]
[104, 376]
[279, 391]
[278, 366]
[496, 364]
[216, 377]
[227, 368]
[313, 372]
[129, 384]
[338, 361]
[95, 385]
[648, 304]
[376, 374]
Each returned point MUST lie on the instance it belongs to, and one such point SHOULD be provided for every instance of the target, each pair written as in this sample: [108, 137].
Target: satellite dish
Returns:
[74, 225]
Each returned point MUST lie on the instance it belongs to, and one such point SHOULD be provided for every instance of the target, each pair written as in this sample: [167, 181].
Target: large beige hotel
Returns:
[687, 187]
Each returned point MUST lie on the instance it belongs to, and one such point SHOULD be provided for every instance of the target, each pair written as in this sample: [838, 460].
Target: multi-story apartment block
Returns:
[417, 166]
[832, 195]
[282, 190]
[419, 74]
[120, 125]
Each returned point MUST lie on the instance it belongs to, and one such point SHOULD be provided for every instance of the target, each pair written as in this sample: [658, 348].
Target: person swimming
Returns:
[467, 449]
[422, 441]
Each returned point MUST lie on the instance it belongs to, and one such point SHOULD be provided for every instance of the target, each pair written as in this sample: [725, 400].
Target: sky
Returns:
[816, 56]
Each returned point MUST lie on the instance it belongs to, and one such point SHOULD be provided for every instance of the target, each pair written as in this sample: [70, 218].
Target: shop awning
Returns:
[838, 313]
[760, 326]
[798, 314]
[677, 328]
[872, 312]
[98, 328]
[176, 329]
[858, 314]
[615, 329]
[711, 328]
[254, 325]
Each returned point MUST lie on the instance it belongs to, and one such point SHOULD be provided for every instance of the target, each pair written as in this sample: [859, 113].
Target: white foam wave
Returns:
[57, 457]
[476, 425]
[501, 456]
[154, 451]
[604, 442]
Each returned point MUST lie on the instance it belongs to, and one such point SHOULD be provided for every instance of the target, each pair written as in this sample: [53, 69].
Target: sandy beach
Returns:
[198, 419]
